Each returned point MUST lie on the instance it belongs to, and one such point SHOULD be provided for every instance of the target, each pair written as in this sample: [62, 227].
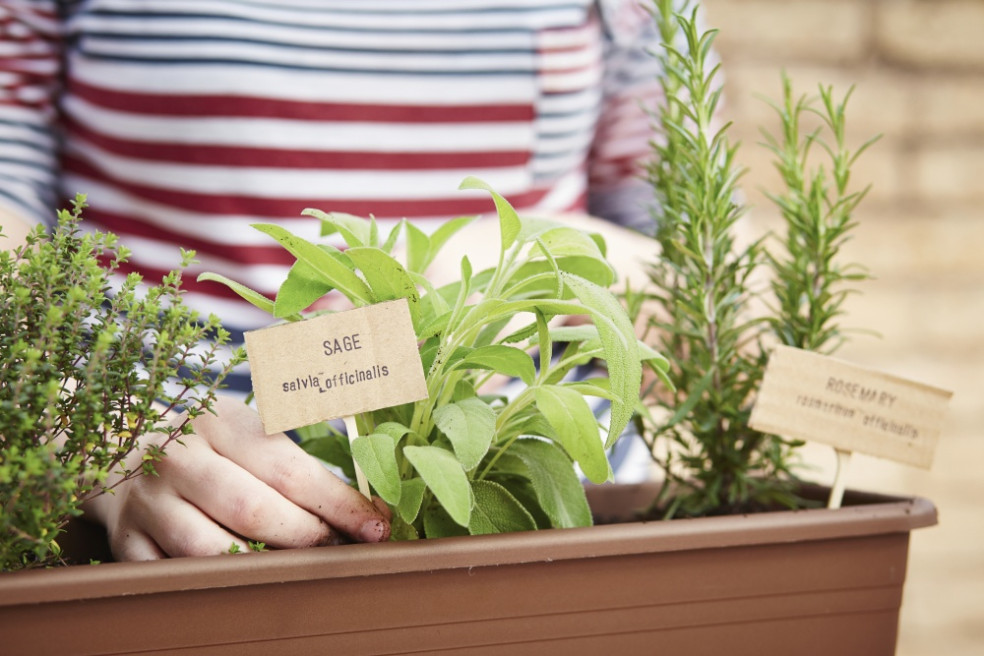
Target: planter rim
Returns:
[873, 515]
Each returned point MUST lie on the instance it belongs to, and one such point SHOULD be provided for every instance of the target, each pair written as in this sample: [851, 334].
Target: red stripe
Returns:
[247, 254]
[298, 159]
[280, 207]
[201, 105]
[153, 276]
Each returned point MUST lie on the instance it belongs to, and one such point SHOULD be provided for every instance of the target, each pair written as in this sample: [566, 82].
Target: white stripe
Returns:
[20, 133]
[583, 100]
[21, 48]
[398, 17]
[263, 54]
[28, 155]
[401, 5]
[573, 81]
[302, 35]
[304, 85]
[29, 198]
[29, 117]
[548, 62]
[22, 170]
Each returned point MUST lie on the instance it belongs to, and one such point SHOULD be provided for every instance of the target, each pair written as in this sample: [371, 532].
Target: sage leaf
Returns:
[255, 298]
[411, 498]
[575, 428]
[386, 277]
[470, 426]
[507, 360]
[418, 249]
[509, 223]
[376, 455]
[328, 266]
[621, 350]
[439, 238]
[302, 287]
[566, 242]
[439, 524]
[558, 488]
[445, 478]
[497, 511]
[355, 230]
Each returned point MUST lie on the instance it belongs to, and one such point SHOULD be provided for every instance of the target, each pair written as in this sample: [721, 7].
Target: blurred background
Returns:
[919, 70]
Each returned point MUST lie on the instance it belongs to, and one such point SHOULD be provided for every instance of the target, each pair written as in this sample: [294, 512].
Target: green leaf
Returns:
[565, 242]
[393, 429]
[447, 230]
[376, 455]
[326, 265]
[302, 287]
[600, 387]
[557, 486]
[333, 449]
[507, 360]
[418, 249]
[521, 488]
[422, 249]
[438, 524]
[410, 499]
[584, 333]
[509, 223]
[621, 350]
[355, 230]
[445, 478]
[256, 298]
[531, 227]
[393, 236]
[470, 425]
[402, 530]
[497, 511]
[387, 278]
[575, 428]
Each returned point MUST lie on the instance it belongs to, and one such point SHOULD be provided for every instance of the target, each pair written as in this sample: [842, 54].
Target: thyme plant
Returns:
[705, 282]
[85, 373]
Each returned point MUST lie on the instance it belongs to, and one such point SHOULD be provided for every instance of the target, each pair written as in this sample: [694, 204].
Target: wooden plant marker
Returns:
[813, 397]
[336, 365]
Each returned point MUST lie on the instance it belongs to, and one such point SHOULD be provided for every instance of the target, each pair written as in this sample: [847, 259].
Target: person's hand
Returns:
[229, 483]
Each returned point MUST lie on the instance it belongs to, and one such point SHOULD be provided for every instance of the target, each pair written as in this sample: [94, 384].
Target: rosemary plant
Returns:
[705, 282]
[84, 374]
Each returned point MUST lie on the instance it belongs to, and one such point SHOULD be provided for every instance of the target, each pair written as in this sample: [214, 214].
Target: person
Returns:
[186, 122]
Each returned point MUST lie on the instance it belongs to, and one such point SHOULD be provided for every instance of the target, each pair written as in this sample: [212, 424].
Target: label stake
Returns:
[353, 432]
[840, 479]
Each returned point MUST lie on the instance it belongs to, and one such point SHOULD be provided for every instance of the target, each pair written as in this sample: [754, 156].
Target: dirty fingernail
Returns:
[374, 530]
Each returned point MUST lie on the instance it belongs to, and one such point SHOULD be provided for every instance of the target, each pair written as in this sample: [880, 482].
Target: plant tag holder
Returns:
[813, 397]
[336, 365]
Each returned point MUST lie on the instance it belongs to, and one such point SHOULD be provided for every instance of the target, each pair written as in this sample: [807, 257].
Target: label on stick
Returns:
[335, 365]
[814, 397]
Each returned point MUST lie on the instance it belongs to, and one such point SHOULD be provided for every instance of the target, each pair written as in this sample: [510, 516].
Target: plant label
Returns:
[813, 397]
[335, 365]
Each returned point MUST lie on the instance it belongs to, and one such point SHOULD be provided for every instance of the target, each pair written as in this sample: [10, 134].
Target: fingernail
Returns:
[374, 530]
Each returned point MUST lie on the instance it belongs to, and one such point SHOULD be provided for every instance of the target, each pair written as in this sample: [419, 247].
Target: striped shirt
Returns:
[187, 120]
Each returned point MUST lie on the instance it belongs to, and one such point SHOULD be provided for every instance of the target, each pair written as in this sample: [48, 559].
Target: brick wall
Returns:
[919, 70]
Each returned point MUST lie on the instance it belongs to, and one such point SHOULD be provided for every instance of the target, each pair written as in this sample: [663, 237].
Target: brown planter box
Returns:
[805, 582]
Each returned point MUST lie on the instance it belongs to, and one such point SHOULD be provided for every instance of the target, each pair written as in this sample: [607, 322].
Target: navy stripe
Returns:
[200, 62]
[308, 47]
